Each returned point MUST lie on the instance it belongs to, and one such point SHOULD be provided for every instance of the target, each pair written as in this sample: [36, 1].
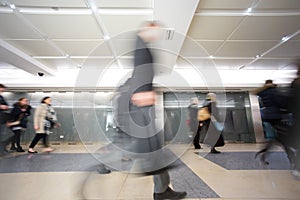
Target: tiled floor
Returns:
[228, 184]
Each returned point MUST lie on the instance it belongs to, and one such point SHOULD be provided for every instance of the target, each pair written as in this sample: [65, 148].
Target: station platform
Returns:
[69, 173]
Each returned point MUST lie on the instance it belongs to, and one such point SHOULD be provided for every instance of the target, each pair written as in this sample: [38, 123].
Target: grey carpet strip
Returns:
[246, 161]
[182, 178]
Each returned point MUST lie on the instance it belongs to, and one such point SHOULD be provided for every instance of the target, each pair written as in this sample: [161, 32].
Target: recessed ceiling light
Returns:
[249, 10]
[258, 56]
[106, 37]
[12, 6]
[211, 56]
[285, 38]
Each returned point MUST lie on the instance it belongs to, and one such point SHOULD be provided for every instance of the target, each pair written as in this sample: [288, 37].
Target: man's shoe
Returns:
[19, 149]
[13, 148]
[296, 174]
[103, 170]
[213, 150]
[169, 194]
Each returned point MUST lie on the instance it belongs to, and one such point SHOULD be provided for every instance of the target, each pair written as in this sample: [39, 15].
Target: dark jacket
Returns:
[143, 72]
[4, 116]
[212, 108]
[294, 105]
[19, 115]
[2, 101]
[143, 124]
[193, 114]
[270, 108]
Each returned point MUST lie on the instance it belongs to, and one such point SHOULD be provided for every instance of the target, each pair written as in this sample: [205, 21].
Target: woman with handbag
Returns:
[44, 119]
[194, 122]
[216, 132]
[20, 112]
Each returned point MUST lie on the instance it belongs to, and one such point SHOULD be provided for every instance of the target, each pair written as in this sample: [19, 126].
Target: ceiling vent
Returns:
[169, 34]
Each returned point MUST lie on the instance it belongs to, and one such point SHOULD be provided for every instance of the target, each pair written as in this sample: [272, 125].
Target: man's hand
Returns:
[141, 99]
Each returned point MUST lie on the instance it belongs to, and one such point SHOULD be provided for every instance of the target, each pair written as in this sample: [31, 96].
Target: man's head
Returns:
[23, 101]
[151, 31]
[2, 88]
[194, 100]
[212, 97]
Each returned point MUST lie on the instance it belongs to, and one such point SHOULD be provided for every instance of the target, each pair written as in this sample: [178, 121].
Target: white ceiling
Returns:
[61, 37]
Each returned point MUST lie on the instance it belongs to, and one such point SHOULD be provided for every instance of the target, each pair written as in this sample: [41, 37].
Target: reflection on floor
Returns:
[69, 174]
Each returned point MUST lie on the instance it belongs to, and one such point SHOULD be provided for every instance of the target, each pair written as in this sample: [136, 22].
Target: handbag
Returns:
[218, 125]
[269, 130]
[203, 114]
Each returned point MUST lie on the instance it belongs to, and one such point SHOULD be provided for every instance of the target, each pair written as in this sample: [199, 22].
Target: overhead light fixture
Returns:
[248, 11]
[106, 37]
[5, 10]
[285, 38]
[58, 11]
[211, 56]
[79, 11]
[258, 56]
[104, 11]
[12, 6]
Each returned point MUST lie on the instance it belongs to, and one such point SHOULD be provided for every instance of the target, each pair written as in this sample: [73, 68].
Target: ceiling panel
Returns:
[79, 48]
[125, 24]
[220, 29]
[297, 37]
[125, 3]
[266, 28]
[203, 48]
[288, 49]
[49, 3]
[245, 49]
[66, 26]
[124, 47]
[35, 48]
[102, 49]
[224, 4]
[270, 64]
[231, 63]
[98, 63]
[198, 63]
[212, 28]
[210, 46]
[279, 4]
[13, 27]
[60, 63]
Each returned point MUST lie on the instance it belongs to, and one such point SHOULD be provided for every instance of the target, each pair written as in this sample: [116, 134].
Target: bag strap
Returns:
[212, 118]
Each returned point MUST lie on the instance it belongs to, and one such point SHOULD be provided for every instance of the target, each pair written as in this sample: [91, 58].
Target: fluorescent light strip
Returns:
[64, 11]
[125, 11]
[50, 11]
[229, 13]
[6, 10]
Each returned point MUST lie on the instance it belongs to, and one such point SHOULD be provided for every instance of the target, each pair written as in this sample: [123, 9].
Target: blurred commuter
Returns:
[44, 120]
[270, 112]
[193, 122]
[21, 110]
[294, 136]
[211, 104]
[142, 112]
[3, 119]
